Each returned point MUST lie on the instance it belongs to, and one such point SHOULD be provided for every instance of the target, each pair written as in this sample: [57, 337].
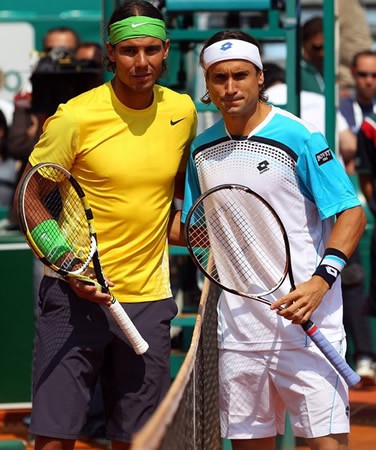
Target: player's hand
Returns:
[299, 304]
[91, 291]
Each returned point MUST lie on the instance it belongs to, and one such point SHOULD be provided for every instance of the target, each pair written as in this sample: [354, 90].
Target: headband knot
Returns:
[231, 49]
[136, 26]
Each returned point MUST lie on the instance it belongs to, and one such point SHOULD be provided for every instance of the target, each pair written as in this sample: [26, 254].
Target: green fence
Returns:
[16, 320]
[84, 16]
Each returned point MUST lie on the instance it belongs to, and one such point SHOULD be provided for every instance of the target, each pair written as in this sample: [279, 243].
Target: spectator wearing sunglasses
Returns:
[312, 62]
[354, 36]
[353, 109]
[360, 104]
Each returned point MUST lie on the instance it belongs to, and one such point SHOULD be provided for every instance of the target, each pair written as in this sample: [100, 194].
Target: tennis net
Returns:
[188, 416]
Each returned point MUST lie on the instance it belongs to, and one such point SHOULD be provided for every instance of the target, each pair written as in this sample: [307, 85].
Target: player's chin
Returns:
[233, 108]
[143, 82]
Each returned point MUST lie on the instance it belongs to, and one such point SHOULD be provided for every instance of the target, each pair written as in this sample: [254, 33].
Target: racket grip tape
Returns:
[138, 343]
[338, 362]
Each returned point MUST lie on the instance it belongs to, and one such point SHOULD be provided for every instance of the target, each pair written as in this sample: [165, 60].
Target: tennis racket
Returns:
[58, 224]
[248, 243]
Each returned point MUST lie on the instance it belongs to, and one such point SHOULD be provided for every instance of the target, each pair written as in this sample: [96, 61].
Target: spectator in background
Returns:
[26, 126]
[363, 102]
[8, 166]
[63, 37]
[366, 169]
[312, 105]
[90, 56]
[312, 62]
[23, 133]
[90, 52]
[346, 143]
[350, 114]
[354, 109]
[355, 36]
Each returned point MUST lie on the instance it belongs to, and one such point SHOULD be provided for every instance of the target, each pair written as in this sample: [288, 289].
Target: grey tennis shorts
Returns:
[78, 341]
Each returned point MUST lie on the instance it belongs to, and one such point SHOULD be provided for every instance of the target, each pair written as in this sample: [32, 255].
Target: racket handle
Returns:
[331, 353]
[139, 345]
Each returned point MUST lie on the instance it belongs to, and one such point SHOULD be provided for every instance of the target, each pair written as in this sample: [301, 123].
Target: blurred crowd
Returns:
[21, 121]
[357, 103]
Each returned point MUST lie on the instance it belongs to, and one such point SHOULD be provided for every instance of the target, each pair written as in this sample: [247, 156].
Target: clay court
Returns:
[14, 434]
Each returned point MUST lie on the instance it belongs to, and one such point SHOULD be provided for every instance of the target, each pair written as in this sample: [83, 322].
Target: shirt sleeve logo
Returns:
[324, 156]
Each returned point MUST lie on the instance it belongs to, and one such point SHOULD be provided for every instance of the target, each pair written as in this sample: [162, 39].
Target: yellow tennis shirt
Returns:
[126, 161]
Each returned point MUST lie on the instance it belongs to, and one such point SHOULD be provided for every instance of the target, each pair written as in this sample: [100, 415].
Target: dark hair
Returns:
[358, 55]
[97, 59]
[273, 73]
[129, 9]
[311, 27]
[60, 30]
[230, 34]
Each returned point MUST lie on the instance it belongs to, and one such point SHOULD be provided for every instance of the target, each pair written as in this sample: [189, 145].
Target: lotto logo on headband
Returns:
[226, 46]
[231, 49]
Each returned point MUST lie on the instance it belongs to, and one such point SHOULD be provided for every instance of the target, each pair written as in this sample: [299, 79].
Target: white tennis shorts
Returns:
[257, 388]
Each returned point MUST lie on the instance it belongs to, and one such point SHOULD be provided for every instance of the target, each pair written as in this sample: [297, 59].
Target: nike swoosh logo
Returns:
[135, 25]
[174, 122]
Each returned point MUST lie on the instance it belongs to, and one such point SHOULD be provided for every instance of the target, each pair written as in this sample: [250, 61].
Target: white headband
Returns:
[231, 49]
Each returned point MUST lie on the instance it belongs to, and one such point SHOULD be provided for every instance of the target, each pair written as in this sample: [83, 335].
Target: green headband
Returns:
[137, 26]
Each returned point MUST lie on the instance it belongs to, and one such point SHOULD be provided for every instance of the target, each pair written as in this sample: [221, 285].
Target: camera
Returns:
[58, 77]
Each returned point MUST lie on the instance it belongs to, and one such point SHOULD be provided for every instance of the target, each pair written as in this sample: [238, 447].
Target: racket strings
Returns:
[73, 223]
[245, 238]
[55, 211]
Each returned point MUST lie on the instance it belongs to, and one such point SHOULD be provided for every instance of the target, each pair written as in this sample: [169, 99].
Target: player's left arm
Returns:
[175, 230]
[302, 302]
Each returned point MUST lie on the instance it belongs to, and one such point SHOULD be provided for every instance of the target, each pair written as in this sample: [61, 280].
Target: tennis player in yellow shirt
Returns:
[127, 142]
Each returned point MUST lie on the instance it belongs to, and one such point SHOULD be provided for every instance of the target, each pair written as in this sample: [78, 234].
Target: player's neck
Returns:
[132, 98]
[243, 125]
